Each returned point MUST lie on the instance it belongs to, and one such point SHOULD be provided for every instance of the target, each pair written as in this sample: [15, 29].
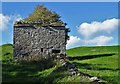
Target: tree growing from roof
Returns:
[45, 16]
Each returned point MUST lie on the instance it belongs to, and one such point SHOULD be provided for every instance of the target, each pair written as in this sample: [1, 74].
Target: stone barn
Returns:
[38, 42]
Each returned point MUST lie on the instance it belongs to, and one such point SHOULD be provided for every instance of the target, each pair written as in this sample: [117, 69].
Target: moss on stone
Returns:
[44, 17]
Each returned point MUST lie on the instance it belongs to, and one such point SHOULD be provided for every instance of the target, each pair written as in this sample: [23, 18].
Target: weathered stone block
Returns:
[30, 42]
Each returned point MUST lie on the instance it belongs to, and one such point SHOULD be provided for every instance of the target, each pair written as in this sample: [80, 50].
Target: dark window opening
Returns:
[55, 51]
[50, 32]
[41, 49]
[51, 47]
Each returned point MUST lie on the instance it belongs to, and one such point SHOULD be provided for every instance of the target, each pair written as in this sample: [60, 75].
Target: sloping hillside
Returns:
[7, 52]
[83, 51]
[32, 72]
[101, 61]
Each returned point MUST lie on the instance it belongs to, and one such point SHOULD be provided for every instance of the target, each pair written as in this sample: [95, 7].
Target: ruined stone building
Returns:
[30, 41]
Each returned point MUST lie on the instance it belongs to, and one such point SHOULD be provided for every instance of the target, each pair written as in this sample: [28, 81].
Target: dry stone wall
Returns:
[38, 43]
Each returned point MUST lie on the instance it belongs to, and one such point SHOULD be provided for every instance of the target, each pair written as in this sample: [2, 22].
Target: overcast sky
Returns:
[91, 24]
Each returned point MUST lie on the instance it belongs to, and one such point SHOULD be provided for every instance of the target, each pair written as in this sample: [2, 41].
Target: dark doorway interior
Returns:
[55, 51]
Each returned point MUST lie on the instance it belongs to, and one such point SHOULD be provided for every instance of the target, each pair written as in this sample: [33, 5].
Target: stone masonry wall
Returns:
[30, 41]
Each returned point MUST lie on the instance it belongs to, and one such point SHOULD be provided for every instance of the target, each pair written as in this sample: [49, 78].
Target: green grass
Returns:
[83, 51]
[7, 52]
[41, 72]
[97, 61]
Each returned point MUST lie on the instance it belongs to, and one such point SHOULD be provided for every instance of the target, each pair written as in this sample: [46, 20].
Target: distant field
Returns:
[83, 51]
[97, 61]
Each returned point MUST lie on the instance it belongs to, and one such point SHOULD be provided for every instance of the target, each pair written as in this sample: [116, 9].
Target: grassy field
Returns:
[96, 61]
[41, 73]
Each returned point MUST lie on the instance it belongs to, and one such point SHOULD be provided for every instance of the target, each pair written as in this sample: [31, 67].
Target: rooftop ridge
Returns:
[28, 24]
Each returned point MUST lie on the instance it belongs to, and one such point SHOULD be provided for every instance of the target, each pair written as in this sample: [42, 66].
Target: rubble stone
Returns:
[42, 41]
